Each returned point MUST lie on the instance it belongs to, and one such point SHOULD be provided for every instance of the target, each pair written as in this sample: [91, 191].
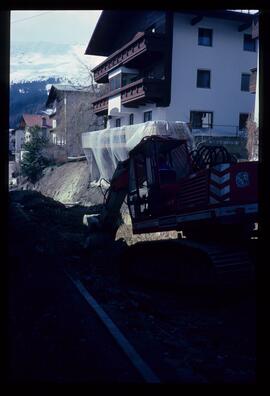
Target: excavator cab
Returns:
[156, 166]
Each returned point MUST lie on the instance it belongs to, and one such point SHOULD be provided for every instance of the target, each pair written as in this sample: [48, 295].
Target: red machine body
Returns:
[179, 197]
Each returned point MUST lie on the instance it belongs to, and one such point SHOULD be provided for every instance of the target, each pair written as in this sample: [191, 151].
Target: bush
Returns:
[33, 161]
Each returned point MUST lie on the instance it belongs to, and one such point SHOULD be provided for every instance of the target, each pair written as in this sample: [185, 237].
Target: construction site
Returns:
[133, 215]
[107, 291]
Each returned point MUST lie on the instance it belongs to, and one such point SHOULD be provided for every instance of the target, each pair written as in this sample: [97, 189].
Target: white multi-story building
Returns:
[191, 66]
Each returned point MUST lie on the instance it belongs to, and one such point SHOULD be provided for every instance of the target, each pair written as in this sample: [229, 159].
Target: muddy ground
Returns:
[186, 336]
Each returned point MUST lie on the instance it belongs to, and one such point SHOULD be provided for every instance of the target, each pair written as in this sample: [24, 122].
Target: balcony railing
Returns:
[137, 93]
[253, 80]
[142, 91]
[217, 130]
[100, 106]
[142, 43]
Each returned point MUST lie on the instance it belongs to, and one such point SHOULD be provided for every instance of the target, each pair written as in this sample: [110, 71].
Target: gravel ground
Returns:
[186, 336]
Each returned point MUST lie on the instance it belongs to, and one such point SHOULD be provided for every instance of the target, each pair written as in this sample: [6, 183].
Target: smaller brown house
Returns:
[22, 133]
[71, 115]
[35, 120]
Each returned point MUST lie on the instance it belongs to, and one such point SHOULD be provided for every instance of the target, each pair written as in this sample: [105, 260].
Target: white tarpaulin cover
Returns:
[105, 148]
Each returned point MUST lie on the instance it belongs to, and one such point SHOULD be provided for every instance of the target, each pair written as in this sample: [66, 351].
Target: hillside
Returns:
[27, 97]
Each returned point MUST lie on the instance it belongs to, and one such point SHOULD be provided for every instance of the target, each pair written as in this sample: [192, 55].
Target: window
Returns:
[118, 122]
[147, 116]
[201, 119]
[249, 43]
[115, 82]
[245, 78]
[128, 78]
[131, 119]
[205, 37]
[203, 78]
[243, 120]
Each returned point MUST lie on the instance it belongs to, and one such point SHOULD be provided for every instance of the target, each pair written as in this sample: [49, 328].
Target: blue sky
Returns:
[69, 27]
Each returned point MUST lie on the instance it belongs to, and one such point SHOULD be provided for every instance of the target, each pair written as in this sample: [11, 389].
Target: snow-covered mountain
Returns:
[31, 61]
[35, 66]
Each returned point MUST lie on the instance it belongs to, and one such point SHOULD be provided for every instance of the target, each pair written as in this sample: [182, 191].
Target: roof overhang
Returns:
[106, 30]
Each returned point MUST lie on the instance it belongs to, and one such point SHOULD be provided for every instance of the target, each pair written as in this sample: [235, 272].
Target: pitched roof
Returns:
[71, 88]
[56, 89]
[32, 120]
[110, 26]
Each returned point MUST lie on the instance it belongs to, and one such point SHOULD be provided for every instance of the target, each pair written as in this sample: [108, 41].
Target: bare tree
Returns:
[252, 139]
[97, 89]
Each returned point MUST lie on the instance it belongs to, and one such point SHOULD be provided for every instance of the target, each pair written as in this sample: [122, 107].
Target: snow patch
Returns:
[40, 61]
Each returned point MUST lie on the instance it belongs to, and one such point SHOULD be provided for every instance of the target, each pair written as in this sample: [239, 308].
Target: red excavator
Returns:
[207, 194]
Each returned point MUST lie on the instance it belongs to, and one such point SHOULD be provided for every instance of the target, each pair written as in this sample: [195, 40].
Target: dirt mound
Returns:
[33, 199]
[39, 224]
[68, 183]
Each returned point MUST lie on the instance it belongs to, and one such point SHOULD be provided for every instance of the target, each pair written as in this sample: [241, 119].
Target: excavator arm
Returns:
[108, 221]
[110, 215]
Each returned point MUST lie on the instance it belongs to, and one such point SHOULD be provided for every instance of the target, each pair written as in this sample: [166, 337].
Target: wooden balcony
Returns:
[142, 91]
[253, 80]
[143, 47]
[100, 106]
[135, 94]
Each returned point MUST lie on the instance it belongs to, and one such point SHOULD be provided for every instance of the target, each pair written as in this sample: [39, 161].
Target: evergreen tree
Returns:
[34, 161]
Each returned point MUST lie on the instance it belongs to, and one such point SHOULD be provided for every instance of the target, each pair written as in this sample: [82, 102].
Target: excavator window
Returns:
[166, 173]
[138, 187]
[154, 177]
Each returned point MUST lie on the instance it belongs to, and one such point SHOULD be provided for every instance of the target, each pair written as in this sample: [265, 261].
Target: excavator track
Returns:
[232, 264]
[187, 262]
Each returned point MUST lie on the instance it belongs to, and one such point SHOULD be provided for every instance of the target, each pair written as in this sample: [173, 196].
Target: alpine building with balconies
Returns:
[192, 66]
